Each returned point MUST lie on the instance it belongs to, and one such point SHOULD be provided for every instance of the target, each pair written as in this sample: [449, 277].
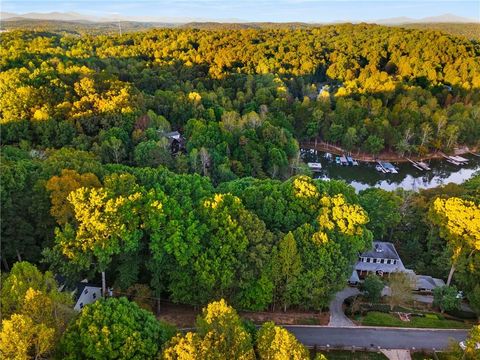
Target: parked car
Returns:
[463, 345]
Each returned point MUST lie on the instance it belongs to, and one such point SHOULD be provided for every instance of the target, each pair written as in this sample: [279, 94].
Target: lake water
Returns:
[364, 175]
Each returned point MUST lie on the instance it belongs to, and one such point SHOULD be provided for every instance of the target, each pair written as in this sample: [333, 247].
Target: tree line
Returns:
[39, 323]
[242, 98]
[258, 243]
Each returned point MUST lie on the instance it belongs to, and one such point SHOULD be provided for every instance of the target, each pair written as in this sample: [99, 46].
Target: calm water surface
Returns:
[408, 177]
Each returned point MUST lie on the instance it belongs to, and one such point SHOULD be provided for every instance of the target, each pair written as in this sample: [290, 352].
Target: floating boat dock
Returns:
[386, 167]
[424, 165]
[314, 166]
[455, 160]
[390, 168]
[345, 160]
[420, 165]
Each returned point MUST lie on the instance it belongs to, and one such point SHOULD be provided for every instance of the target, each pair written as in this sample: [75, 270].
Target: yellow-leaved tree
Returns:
[22, 339]
[34, 313]
[459, 224]
[61, 186]
[338, 215]
[276, 343]
[220, 335]
[106, 222]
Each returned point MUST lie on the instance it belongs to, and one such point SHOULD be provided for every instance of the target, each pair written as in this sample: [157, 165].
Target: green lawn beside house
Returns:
[375, 318]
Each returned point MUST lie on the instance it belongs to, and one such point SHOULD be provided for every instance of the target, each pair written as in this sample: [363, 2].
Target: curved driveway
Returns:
[337, 316]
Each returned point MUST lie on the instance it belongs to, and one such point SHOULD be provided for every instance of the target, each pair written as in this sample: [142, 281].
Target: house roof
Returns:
[382, 250]
[388, 268]
[80, 287]
[173, 135]
[427, 282]
[354, 277]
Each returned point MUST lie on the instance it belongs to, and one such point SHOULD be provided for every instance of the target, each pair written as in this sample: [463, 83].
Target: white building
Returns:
[85, 294]
[383, 260]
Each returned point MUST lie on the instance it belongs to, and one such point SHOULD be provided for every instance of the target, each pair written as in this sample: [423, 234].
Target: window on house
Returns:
[86, 291]
[81, 305]
[394, 262]
[94, 295]
[368, 260]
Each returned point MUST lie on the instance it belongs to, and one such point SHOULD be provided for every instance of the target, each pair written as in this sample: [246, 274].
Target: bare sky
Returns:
[253, 10]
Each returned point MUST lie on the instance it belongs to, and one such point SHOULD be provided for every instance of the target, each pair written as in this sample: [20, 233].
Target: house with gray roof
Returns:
[382, 260]
[176, 141]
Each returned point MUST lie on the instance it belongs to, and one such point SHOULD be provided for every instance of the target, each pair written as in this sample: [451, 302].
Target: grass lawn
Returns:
[440, 356]
[348, 355]
[375, 318]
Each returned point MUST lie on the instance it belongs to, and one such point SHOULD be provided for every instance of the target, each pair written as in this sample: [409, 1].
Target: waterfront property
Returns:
[364, 175]
[382, 260]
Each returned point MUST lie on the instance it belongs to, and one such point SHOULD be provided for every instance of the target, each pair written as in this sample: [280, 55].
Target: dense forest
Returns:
[470, 30]
[243, 99]
[91, 184]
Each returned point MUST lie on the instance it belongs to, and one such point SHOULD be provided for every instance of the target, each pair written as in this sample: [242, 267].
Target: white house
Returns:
[85, 294]
[383, 260]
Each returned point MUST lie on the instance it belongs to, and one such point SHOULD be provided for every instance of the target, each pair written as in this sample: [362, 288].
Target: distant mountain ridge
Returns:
[73, 16]
[444, 18]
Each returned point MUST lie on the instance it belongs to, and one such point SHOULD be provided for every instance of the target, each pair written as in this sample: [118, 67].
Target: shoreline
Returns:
[385, 156]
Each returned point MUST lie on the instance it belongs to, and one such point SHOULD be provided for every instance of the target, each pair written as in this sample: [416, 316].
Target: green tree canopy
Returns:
[114, 329]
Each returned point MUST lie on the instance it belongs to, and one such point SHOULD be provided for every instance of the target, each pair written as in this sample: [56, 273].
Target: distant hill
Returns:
[58, 16]
[73, 16]
[249, 25]
[202, 22]
[445, 18]
[81, 25]
[469, 30]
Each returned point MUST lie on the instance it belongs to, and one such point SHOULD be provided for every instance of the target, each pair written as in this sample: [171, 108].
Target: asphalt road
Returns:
[385, 338]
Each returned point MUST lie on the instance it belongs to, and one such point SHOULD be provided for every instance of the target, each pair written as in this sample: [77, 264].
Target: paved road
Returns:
[337, 316]
[366, 337]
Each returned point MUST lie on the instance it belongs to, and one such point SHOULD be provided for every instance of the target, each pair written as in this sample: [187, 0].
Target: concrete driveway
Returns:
[337, 316]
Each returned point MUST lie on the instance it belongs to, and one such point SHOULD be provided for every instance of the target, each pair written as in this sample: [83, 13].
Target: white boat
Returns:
[314, 166]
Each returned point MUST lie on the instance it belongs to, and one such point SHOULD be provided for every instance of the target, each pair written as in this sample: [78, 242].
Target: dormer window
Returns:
[86, 291]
